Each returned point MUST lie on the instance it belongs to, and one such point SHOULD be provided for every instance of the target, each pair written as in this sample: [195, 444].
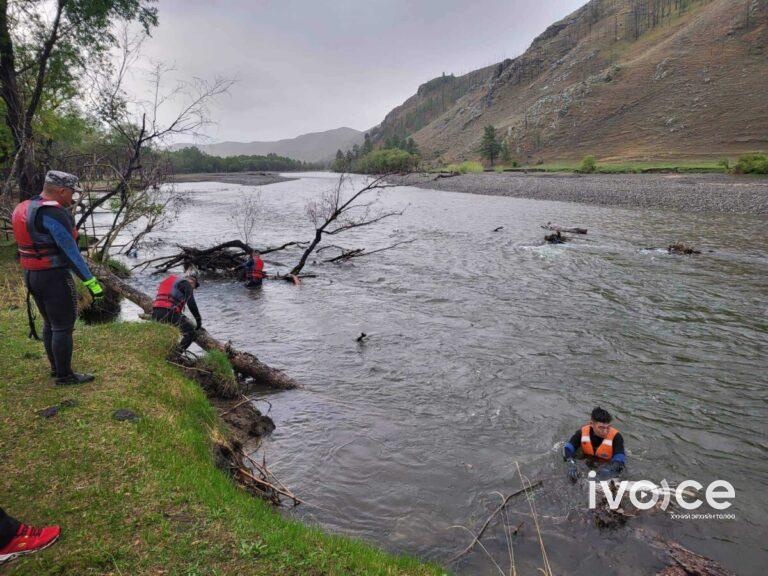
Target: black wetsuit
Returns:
[9, 527]
[170, 316]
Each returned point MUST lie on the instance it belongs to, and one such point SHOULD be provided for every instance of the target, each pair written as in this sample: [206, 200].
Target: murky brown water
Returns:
[487, 349]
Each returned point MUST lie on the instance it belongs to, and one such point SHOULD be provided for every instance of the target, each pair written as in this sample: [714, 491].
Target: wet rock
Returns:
[123, 414]
[52, 411]
[556, 238]
[49, 412]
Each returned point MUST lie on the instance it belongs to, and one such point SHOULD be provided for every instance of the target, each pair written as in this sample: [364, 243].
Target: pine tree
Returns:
[367, 144]
[489, 146]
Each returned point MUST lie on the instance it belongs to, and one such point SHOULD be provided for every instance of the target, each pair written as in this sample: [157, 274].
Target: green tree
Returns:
[339, 163]
[489, 146]
[44, 48]
[367, 144]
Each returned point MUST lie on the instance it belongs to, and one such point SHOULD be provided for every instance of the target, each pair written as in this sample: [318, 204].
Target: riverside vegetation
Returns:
[139, 497]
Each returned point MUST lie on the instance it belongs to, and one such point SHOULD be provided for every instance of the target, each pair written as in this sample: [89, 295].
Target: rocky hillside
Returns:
[313, 147]
[620, 79]
[431, 100]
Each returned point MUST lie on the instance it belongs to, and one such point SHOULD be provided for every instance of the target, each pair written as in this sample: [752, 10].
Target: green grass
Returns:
[464, 167]
[138, 498]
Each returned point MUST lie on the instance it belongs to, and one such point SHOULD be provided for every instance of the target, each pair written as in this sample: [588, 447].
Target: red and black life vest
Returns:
[257, 271]
[169, 295]
[38, 250]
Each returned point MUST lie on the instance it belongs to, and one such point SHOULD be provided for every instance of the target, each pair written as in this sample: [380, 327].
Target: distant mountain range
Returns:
[313, 147]
[619, 79]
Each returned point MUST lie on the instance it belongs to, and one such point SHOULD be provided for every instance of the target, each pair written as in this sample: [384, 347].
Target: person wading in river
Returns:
[600, 444]
[17, 539]
[173, 294]
[47, 242]
[254, 270]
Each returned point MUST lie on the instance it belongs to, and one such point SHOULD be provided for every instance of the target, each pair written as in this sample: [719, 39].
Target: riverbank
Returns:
[689, 192]
[138, 497]
[244, 178]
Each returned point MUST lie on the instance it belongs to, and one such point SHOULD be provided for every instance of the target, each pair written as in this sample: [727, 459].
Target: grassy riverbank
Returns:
[145, 497]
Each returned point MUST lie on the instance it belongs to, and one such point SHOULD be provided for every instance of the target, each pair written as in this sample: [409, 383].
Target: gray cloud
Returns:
[305, 66]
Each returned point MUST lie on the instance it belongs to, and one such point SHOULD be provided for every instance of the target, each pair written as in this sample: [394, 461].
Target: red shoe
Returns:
[28, 540]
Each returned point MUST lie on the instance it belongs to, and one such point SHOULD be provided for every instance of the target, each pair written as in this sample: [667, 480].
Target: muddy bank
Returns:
[689, 192]
[244, 178]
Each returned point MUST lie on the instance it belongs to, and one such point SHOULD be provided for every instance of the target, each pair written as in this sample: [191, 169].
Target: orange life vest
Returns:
[605, 450]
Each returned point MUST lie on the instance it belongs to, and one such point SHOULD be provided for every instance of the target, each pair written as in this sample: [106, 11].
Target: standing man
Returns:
[47, 242]
[173, 294]
[600, 443]
[17, 539]
[254, 270]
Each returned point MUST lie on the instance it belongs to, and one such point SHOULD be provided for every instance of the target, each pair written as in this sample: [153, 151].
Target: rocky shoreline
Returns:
[243, 178]
[688, 192]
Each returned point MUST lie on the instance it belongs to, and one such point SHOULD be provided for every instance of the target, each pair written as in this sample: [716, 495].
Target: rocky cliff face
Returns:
[621, 79]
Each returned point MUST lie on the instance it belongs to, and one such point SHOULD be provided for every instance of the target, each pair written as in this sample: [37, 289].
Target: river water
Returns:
[486, 349]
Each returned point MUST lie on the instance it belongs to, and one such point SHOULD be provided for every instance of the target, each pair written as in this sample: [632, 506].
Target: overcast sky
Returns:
[311, 65]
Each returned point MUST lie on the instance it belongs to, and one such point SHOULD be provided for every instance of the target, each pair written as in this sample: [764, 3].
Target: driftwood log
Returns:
[216, 259]
[556, 228]
[682, 249]
[243, 362]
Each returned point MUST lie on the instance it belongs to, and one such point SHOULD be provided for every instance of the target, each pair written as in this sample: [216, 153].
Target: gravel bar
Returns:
[244, 178]
[687, 192]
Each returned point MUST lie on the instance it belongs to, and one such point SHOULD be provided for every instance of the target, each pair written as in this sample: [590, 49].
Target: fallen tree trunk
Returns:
[243, 362]
[556, 228]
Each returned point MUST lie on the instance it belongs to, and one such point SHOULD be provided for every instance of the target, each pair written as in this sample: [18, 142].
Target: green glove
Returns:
[94, 288]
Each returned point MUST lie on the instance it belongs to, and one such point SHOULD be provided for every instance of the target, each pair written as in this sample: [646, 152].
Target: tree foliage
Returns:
[192, 160]
[44, 49]
[489, 145]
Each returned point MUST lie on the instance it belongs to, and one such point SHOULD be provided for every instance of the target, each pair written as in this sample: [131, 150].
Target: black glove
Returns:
[199, 324]
[610, 470]
[573, 471]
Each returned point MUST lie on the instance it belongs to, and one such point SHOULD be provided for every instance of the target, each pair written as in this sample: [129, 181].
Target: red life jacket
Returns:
[257, 272]
[169, 295]
[605, 450]
[38, 250]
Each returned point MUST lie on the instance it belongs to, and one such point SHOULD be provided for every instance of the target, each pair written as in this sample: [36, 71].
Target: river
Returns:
[488, 349]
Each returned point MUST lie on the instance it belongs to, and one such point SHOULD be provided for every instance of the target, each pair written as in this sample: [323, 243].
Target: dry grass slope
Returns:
[691, 87]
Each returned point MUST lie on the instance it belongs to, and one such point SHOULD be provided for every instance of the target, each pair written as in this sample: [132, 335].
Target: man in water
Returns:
[173, 294]
[47, 242]
[254, 270]
[17, 539]
[600, 444]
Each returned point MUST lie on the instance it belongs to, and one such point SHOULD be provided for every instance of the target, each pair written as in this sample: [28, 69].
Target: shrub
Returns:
[385, 161]
[588, 165]
[465, 167]
[725, 164]
[755, 163]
